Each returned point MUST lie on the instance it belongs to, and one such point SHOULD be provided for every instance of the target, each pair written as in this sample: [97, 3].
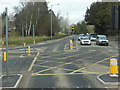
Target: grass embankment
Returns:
[14, 41]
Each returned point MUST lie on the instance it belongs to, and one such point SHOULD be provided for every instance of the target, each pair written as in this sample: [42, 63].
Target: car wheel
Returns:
[107, 44]
[98, 44]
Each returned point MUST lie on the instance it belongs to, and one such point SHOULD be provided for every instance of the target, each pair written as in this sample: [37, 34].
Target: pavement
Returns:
[108, 80]
[10, 81]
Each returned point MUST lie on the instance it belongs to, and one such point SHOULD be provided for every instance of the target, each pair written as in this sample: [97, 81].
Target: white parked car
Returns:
[85, 41]
[92, 37]
[102, 40]
[81, 36]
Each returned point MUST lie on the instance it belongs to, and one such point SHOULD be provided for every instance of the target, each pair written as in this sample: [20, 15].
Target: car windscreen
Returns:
[102, 38]
[84, 38]
[93, 36]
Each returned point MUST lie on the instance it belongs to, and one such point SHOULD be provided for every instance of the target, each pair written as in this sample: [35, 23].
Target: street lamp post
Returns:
[51, 19]
[6, 14]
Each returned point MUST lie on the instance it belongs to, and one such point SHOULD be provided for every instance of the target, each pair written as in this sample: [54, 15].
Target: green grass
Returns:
[13, 41]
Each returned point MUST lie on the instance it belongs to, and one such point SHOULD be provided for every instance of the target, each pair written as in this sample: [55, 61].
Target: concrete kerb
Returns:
[107, 83]
[17, 83]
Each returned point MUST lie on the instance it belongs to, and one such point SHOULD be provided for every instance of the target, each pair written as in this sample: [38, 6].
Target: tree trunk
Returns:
[26, 29]
[30, 25]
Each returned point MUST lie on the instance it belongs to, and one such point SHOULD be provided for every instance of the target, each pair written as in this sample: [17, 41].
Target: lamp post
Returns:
[6, 15]
[51, 19]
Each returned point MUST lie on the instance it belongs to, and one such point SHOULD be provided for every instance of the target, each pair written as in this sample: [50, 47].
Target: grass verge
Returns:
[14, 41]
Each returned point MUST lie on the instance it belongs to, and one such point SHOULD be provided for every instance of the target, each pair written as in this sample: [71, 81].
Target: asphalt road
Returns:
[53, 65]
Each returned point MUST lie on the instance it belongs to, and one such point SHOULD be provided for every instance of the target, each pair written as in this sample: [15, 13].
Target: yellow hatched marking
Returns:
[32, 64]
[36, 74]
[53, 55]
[39, 60]
[65, 64]
[68, 69]
[74, 55]
[55, 62]
[93, 64]
[69, 63]
[41, 66]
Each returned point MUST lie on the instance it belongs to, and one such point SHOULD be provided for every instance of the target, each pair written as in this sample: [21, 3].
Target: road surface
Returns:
[53, 65]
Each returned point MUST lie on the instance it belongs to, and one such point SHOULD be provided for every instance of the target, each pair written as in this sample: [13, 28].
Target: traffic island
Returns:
[106, 79]
[10, 81]
[71, 46]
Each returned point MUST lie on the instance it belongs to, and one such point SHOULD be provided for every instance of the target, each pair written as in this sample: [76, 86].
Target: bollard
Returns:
[28, 49]
[4, 57]
[24, 44]
[71, 44]
[113, 67]
[33, 42]
[2, 42]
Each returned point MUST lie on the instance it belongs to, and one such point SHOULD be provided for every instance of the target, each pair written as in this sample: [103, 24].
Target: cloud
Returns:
[76, 9]
[9, 4]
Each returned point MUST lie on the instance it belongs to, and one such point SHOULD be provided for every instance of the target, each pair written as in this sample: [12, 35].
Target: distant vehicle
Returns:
[81, 36]
[102, 40]
[92, 37]
[85, 41]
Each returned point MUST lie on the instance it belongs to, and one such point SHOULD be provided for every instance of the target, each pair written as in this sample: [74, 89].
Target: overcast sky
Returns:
[73, 9]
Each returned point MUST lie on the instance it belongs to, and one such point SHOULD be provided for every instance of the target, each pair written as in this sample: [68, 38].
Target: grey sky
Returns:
[73, 9]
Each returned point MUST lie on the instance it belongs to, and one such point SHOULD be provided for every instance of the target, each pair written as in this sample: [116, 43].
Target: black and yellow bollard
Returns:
[24, 45]
[28, 50]
[33, 42]
[3, 43]
[71, 44]
[4, 56]
[113, 67]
